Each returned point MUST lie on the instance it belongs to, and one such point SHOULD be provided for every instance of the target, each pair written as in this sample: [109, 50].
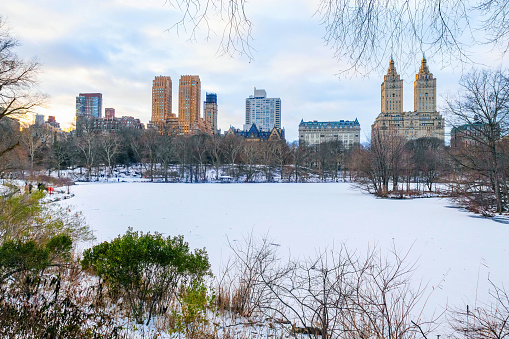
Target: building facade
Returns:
[264, 112]
[53, 122]
[469, 135]
[161, 99]
[210, 111]
[189, 104]
[103, 124]
[109, 113]
[315, 132]
[254, 134]
[89, 105]
[39, 120]
[423, 121]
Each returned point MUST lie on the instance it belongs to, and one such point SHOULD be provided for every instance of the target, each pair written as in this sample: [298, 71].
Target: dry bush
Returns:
[59, 303]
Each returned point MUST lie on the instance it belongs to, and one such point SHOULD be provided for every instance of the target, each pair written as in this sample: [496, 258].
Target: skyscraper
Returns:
[89, 105]
[210, 111]
[161, 99]
[392, 91]
[423, 121]
[189, 103]
[264, 112]
[425, 90]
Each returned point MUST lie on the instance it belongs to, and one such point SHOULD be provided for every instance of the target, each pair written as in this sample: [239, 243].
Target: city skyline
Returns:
[290, 61]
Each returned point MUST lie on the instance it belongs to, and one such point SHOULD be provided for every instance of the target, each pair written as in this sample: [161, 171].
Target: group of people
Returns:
[40, 187]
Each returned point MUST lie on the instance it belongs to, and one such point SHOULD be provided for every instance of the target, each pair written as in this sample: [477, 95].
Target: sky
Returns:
[117, 47]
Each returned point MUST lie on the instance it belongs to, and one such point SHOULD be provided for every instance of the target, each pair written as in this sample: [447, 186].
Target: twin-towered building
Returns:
[189, 119]
[265, 113]
[423, 121]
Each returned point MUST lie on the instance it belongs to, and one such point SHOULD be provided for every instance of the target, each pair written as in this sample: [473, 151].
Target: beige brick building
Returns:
[161, 99]
[423, 121]
[189, 103]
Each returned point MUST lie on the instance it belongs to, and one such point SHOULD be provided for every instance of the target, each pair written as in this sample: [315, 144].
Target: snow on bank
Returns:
[450, 244]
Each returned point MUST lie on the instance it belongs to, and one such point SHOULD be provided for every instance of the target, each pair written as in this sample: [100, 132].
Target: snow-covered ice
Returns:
[453, 247]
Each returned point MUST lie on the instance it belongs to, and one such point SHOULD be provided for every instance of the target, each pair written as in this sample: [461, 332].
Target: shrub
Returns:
[26, 216]
[20, 257]
[146, 269]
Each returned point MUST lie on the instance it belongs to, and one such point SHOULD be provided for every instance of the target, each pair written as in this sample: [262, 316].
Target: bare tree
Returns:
[364, 34]
[9, 145]
[386, 305]
[240, 285]
[231, 148]
[199, 151]
[18, 78]
[299, 156]
[109, 145]
[87, 146]
[427, 155]
[34, 138]
[480, 113]
[374, 165]
[9, 135]
[250, 155]
[337, 294]
[216, 156]
[489, 320]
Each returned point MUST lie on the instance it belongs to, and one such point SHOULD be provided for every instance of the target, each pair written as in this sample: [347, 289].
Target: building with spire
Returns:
[392, 91]
[423, 121]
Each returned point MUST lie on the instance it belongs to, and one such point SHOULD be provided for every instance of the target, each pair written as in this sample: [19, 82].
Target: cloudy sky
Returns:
[116, 47]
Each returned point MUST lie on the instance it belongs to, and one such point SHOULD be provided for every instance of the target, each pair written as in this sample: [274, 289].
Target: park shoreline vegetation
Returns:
[144, 285]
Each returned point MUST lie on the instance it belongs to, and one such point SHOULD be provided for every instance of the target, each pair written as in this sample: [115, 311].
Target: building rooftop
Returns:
[329, 124]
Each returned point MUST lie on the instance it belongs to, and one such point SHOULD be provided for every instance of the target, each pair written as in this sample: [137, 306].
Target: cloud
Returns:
[117, 47]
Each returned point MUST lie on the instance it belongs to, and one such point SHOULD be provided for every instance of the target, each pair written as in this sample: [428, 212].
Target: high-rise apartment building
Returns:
[210, 111]
[109, 113]
[189, 103]
[39, 120]
[425, 90]
[392, 91]
[264, 112]
[89, 105]
[423, 121]
[161, 99]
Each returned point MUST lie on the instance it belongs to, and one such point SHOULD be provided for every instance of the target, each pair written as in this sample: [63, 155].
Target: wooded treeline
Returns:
[167, 157]
[388, 166]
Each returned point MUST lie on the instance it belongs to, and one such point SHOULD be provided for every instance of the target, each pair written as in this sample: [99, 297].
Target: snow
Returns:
[454, 248]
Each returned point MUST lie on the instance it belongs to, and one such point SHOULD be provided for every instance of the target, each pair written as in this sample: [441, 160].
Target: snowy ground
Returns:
[454, 248]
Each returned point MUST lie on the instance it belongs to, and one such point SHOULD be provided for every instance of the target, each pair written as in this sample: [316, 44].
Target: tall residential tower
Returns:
[264, 112]
[425, 90]
[161, 99]
[210, 111]
[189, 103]
[89, 105]
[392, 91]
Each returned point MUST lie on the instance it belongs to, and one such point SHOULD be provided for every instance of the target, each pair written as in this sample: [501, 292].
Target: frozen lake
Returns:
[450, 244]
